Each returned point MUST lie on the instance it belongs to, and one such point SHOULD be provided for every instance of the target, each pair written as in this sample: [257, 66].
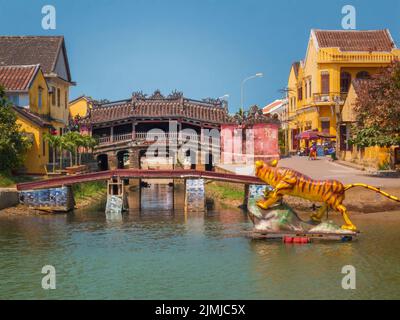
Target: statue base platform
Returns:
[281, 222]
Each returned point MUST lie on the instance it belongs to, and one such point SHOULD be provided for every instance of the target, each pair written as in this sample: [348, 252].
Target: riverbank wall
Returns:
[8, 198]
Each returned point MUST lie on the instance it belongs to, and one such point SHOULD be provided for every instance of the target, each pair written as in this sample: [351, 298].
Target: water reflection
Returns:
[170, 254]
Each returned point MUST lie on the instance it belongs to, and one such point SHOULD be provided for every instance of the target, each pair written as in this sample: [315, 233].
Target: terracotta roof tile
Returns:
[29, 50]
[17, 78]
[32, 117]
[355, 40]
[272, 105]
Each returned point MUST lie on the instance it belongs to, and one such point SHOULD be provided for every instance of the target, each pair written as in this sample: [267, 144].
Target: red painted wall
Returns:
[259, 141]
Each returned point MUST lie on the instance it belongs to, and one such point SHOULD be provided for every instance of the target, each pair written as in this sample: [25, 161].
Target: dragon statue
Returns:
[286, 181]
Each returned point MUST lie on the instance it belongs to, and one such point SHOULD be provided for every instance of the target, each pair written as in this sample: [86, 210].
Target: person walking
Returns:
[313, 152]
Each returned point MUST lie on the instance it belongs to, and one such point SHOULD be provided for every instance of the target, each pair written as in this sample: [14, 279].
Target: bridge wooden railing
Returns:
[138, 174]
[149, 136]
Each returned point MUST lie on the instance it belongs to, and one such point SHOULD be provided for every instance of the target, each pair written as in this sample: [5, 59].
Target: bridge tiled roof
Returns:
[174, 106]
[110, 112]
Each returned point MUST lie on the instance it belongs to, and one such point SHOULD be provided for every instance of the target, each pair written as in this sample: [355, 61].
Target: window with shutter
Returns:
[53, 96]
[345, 80]
[300, 93]
[325, 83]
[58, 97]
[306, 90]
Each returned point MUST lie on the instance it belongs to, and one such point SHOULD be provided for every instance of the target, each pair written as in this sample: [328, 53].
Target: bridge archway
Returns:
[122, 158]
[102, 162]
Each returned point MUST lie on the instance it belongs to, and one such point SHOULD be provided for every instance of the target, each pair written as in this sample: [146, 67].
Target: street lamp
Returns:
[257, 75]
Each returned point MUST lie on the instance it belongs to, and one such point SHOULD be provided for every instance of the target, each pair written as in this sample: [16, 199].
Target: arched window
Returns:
[345, 80]
[363, 75]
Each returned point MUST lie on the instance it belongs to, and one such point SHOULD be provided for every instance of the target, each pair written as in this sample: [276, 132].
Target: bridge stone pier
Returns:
[112, 160]
[188, 184]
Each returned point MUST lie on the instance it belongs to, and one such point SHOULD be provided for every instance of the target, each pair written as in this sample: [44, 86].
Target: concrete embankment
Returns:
[8, 198]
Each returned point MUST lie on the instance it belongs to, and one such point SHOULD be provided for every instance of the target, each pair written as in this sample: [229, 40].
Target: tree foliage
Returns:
[378, 109]
[13, 142]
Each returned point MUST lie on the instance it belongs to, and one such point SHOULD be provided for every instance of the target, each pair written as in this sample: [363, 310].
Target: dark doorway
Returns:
[102, 162]
[122, 158]
[210, 163]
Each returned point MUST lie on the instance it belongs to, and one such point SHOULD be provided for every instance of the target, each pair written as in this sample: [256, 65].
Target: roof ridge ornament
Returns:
[139, 95]
[157, 95]
[175, 94]
[212, 101]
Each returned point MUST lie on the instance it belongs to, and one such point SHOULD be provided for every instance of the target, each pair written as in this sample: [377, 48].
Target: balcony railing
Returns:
[325, 57]
[332, 97]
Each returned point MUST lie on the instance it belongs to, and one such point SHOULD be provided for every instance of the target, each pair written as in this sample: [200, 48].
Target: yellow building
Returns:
[318, 85]
[27, 89]
[48, 52]
[51, 54]
[80, 107]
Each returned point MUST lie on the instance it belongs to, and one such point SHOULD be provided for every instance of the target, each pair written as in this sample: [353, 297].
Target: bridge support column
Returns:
[179, 194]
[134, 184]
[195, 200]
[134, 194]
[134, 159]
[112, 161]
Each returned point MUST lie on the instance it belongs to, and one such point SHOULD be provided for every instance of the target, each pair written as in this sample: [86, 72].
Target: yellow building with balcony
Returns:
[319, 84]
[27, 90]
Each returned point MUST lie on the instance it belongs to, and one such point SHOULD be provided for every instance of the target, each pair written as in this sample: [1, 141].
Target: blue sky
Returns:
[203, 48]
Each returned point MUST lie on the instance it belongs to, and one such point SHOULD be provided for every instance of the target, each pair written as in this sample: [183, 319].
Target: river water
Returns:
[159, 253]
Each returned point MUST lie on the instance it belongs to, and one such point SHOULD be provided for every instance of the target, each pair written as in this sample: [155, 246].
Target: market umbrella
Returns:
[308, 135]
[326, 135]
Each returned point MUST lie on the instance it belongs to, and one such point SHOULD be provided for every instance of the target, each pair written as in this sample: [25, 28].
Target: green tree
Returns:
[88, 143]
[72, 141]
[54, 142]
[69, 144]
[13, 142]
[378, 109]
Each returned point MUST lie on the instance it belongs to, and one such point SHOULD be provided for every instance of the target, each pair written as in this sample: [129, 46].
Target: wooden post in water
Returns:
[246, 196]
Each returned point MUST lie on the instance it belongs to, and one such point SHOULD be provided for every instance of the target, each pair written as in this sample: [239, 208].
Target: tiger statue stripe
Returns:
[331, 193]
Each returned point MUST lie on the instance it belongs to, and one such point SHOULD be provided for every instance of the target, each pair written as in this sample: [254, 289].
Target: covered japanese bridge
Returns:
[126, 128]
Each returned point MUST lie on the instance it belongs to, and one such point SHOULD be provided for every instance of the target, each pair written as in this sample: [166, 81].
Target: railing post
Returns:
[133, 130]
[112, 134]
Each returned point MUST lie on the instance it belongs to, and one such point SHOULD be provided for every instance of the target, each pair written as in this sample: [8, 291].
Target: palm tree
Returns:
[62, 147]
[72, 141]
[88, 143]
[54, 142]
[79, 142]
[70, 144]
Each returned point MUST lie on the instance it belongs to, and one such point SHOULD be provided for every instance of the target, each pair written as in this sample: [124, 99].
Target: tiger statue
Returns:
[286, 181]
